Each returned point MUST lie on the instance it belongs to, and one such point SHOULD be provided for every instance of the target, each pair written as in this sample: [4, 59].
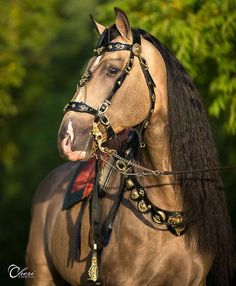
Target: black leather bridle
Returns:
[105, 45]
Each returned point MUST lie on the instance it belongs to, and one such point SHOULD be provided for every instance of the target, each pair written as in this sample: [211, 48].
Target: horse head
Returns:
[116, 91]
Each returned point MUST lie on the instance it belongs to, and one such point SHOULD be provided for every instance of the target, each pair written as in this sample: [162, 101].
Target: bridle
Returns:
[105, 45]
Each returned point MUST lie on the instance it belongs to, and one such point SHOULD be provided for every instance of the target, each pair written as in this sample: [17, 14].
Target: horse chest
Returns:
[139, 255]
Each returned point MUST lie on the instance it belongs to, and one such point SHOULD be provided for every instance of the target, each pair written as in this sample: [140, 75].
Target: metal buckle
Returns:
[104, 120]
[103, 107]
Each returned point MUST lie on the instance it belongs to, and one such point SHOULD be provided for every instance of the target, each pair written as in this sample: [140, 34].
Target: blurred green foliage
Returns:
[43, 48]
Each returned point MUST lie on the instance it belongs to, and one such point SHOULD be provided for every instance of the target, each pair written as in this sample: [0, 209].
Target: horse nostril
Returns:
[68, 140]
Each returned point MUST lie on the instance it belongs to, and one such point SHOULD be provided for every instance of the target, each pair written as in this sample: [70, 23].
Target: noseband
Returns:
[105, 45]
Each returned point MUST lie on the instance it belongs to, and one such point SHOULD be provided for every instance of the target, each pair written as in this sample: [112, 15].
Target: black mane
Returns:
[192, 147]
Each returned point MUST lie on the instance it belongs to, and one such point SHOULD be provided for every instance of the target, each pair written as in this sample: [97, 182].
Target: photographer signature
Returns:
[15, 271]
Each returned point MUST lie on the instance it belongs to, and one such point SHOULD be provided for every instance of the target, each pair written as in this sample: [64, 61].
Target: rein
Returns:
[123, 164]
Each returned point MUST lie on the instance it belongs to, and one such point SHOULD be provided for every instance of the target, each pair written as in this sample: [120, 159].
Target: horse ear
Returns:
[99, 27]
[122, 24]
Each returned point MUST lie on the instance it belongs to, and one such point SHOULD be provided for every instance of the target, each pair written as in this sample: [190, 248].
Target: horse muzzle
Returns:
[74, 142]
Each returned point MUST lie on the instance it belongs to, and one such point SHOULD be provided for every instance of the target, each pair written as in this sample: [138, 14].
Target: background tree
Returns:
[43, 47]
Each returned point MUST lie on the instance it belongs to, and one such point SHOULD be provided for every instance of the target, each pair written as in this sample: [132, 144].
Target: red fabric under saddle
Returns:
[81, 184]
[85, 179]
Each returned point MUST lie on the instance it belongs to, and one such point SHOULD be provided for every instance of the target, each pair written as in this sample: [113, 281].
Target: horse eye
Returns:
[112, 70]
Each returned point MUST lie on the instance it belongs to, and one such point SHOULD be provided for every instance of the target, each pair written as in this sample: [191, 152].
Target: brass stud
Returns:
[145, 124]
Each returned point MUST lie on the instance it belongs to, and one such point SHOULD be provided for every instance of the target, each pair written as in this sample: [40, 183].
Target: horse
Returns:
[161, 218]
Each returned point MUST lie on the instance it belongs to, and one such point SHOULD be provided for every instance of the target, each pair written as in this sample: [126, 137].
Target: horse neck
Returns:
[163, 191]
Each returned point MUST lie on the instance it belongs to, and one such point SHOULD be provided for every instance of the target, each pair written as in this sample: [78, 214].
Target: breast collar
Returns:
[105, 45]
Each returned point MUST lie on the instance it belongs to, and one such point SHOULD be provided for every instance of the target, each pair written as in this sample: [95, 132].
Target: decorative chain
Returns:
[123, 165]
[146, 171]
[138, 174]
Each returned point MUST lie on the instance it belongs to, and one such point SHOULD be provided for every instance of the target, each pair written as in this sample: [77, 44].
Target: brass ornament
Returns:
[137, 49]
[93, 269]
[177, 223]
[134, 194]
[83, 107]
[159, 217]
[119, 46]
[142, 207]
[176, 219]
[129, 183]
[129, 66]
[178, 229]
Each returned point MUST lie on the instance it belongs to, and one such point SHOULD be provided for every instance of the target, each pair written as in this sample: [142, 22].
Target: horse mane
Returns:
[192, 147]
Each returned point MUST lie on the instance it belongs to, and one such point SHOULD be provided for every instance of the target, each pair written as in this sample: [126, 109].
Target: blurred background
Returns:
[44, 47]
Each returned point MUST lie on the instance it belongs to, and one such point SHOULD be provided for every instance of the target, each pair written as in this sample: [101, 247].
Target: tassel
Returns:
[93, 272]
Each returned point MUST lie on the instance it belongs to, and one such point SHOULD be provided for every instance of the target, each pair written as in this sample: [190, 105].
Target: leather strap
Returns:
[80, 107]
[111, 47]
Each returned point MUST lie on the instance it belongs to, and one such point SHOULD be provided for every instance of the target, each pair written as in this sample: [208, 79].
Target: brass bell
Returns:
[129, 184]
